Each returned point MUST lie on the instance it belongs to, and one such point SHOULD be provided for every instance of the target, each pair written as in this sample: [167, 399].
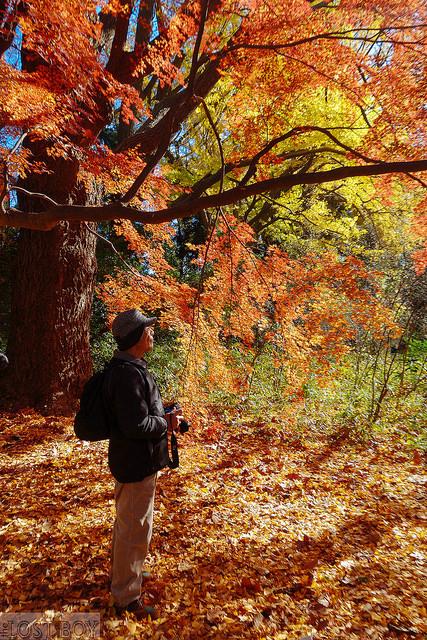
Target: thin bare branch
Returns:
[328, 35]
[33, 194]
[218, 139]
[113, 248]
[204, 8]
[297, 131]
[196, 307]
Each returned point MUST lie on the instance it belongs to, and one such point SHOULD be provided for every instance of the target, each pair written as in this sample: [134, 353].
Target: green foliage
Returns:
[351, 399]
[167, 363]
[347, 400]
[189, 231]
[102, 349]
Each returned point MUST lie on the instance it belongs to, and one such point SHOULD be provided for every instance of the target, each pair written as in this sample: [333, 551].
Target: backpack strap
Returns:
[174, 463]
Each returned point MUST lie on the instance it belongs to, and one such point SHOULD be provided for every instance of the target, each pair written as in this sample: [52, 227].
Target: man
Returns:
[138, 449]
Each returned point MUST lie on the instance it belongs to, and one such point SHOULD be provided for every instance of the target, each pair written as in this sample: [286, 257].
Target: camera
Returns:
[175, 406]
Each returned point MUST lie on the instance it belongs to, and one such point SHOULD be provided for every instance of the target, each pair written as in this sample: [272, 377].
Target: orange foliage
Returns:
[82, 76]
[388, 73]
[308, 310]
[67, 89]
[349, 518]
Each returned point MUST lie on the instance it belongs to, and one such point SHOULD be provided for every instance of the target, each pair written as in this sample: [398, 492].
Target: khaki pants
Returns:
[132, 531]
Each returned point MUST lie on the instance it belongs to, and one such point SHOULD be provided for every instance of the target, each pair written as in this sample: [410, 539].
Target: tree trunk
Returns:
[48, 347]
[53, 283]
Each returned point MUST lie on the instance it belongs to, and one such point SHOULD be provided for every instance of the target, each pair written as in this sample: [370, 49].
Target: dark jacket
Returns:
[138, 444]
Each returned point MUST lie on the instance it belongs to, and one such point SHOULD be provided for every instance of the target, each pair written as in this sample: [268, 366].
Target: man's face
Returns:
[147, 339]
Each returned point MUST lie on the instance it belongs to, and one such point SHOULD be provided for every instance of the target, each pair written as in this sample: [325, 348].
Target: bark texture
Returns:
[54, 276]
[48, 347]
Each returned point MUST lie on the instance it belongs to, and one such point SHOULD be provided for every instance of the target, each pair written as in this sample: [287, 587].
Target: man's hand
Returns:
[173, 419]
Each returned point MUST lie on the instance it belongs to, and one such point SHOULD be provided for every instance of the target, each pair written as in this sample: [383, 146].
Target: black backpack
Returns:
[92, 422]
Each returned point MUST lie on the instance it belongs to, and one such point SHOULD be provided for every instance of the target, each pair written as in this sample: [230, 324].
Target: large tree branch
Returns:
[115, 61]
[297, 131]
[204, 7]
[144, 30]
[178, 108]
[9, 14]
[49, 218]
[210, 179]
[168, 127]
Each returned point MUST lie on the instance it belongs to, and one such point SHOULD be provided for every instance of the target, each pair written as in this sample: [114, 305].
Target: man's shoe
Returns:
[140, 610]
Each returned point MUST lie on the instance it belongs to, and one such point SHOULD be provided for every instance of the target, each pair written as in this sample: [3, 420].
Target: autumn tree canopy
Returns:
[150, 65]
[151, 112]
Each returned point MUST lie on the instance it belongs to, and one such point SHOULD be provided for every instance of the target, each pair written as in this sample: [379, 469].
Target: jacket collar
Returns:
[124, 355]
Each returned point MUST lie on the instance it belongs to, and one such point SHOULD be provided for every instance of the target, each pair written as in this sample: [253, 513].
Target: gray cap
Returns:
[128, 327]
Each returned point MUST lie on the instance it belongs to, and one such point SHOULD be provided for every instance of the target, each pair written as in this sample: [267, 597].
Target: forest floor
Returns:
[257, 535]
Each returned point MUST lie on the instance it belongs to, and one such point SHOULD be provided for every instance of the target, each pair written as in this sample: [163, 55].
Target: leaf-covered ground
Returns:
[257, 535]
